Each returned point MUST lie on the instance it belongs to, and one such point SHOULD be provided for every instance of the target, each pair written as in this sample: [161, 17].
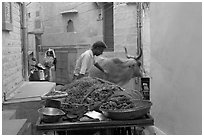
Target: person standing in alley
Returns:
[88, 59]
[50, 64]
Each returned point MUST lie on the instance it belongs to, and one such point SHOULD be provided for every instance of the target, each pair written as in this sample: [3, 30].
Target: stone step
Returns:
[16, 127]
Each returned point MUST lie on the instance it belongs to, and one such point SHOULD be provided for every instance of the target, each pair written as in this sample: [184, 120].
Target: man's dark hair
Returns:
[99, 44]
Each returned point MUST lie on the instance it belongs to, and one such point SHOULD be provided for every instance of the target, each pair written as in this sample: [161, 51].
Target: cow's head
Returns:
[135, 64]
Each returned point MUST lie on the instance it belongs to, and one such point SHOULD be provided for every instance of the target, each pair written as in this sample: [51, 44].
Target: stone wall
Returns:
[125, 31]
[125, 27]
[11, 53]
[87, 29]
[33, 15]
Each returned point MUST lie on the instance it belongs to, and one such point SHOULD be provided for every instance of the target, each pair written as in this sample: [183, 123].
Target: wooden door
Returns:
[108, 25]
[72, 57]
[66, 60]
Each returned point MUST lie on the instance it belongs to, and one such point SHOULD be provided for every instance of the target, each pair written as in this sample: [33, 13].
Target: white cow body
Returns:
[119, 71]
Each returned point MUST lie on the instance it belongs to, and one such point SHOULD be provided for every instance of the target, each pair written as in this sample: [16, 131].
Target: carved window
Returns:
[7, 16]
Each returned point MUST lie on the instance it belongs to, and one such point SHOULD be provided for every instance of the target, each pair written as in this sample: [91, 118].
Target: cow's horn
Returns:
[136, 58]
[128, 56]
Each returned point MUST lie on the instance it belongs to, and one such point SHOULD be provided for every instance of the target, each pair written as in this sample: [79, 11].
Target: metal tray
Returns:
[146, 120]
[61, 95]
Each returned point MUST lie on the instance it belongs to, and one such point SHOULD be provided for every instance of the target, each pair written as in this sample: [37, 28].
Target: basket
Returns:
[74, 109]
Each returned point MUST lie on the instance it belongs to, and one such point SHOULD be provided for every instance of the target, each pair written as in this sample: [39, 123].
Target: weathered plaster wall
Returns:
[176, 67]
[11, 53]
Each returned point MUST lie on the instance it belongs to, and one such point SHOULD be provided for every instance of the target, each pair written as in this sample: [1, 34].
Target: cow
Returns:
[120, 71]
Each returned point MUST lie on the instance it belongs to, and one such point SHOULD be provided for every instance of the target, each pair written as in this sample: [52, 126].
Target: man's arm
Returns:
[99, 67]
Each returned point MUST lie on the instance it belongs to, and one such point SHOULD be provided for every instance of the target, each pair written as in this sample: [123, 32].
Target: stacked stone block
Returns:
[125, 27]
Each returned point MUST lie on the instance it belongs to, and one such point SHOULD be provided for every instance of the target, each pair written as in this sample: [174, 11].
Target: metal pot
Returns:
[50, 115]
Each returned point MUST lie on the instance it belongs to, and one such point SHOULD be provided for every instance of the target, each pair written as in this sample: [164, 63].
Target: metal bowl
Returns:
[141, 108]
[50, 115]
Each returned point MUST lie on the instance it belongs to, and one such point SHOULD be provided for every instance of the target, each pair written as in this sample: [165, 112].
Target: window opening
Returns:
[70, 26]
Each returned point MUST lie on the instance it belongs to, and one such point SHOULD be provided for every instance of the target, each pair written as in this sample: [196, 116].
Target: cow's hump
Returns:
[117, 61]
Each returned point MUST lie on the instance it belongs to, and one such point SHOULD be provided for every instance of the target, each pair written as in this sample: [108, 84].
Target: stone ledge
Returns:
[8, 114]
[30, 91]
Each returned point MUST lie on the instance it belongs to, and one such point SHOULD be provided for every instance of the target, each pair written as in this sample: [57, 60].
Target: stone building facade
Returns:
[12, 55]
[87, 20]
